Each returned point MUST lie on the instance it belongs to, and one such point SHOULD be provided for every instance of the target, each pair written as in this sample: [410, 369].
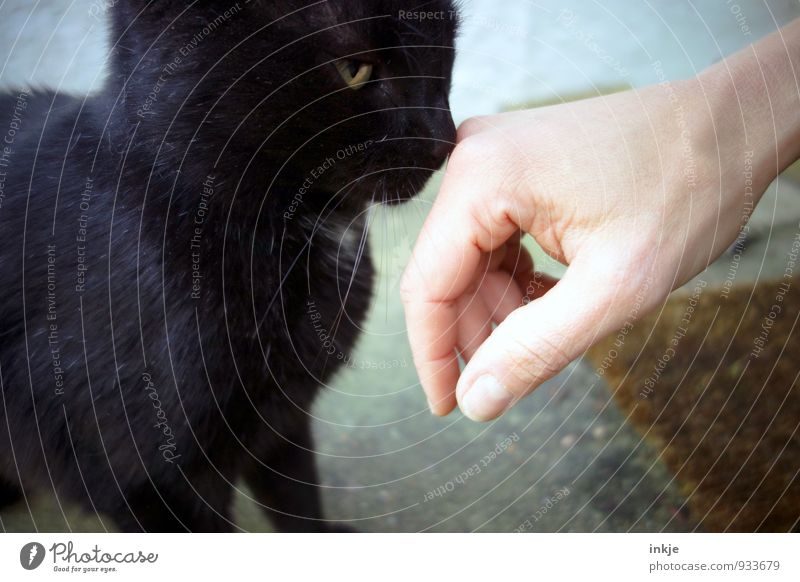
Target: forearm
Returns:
[755, 95]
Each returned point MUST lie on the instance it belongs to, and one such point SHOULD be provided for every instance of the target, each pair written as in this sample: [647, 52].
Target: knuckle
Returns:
[506, 209]
[470, 152]
[487, 162]
[533, 364]
[470, 127]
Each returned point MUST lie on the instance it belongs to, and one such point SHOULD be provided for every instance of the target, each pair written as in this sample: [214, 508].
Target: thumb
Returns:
[537, 341]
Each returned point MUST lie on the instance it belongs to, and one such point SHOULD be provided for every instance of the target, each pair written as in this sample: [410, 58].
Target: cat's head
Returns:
[348, 97]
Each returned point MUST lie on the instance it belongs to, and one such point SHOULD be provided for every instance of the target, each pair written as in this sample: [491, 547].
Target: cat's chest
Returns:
[337, 252]
[329, 296]
[310, 281]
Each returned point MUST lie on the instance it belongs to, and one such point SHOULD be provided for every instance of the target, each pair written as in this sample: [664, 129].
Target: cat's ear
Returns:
[142, 15]
[135, 27]
[151, 18]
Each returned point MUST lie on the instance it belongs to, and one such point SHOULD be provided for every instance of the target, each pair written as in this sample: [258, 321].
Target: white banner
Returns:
[407, 557]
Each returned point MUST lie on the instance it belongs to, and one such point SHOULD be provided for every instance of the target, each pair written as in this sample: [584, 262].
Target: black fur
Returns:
[129, 383]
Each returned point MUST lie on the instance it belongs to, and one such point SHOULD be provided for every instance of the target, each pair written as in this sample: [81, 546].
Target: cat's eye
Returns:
[354, 73]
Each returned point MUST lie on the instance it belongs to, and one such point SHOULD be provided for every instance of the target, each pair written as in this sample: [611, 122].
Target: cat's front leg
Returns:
[283, 479]
[9, 493]
[175, 508]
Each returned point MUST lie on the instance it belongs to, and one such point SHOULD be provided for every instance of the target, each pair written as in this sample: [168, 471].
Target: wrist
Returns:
[754, 98]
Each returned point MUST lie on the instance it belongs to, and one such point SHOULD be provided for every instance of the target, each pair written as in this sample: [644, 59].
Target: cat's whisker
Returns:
[359, 257]
[317, 226]
[388, 258]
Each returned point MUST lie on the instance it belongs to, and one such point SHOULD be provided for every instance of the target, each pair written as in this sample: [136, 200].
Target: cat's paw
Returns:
[9, 494]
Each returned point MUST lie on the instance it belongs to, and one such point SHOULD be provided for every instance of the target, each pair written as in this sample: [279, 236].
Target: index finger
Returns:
[443, 266]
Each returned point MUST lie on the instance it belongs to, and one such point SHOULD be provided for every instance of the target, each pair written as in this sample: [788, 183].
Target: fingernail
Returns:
[432, 408]
[486, 399]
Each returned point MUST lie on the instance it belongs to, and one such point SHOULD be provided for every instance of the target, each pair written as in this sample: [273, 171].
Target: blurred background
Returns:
[714, 447]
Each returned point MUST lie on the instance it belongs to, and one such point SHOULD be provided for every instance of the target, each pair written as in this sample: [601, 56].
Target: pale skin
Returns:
[636, 193]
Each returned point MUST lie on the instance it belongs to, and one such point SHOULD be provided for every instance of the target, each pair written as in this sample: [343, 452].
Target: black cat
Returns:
[183, 258]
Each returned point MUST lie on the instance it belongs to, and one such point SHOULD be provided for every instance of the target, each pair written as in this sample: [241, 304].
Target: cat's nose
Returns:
[443, 135]
[441, 149]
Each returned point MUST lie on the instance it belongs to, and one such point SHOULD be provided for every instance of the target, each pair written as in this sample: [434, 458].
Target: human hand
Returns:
[636, 193]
